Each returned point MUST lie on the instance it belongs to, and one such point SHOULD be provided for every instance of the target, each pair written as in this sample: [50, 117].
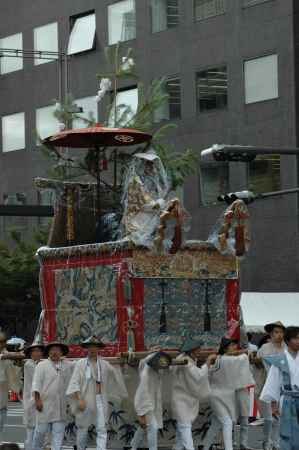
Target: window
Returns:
[82, 37]
[170, 109]
[46, 40]
[13, 132]
[261, 79]
[90, 111]
[121, 21]
[165, 14]
[214, 181]
[126, 107]
[253, 2]
[11, 64]
[203, 9]
[19, 198]
[264, 174]
[46, 123]
[212, 89]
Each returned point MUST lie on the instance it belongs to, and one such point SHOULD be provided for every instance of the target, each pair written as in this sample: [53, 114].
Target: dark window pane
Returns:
[204, 9]
[165, 14]
[214, 182]
[264, 174]
[170, 109]
[253, 2]
[212, 89]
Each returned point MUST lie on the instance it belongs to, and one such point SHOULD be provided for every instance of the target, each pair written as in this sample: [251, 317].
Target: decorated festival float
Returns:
[118, 264]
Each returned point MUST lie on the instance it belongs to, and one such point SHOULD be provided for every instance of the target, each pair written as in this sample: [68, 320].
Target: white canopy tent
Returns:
[260, 308]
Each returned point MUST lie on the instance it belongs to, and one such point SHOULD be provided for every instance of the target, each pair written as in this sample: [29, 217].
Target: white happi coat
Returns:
[274, 382]
[52, 385]
[227, 376]
[148, 397]
[10, 378]
[190, 386]
[29, 416]
[112, 389]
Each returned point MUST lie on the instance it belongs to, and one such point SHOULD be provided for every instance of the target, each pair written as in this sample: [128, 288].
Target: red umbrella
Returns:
[97, 136]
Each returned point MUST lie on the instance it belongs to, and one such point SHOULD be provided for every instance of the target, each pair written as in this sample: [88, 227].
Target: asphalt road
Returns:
[14, 430]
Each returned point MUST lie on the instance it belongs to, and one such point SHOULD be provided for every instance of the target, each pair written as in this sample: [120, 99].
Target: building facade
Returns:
[232, 70]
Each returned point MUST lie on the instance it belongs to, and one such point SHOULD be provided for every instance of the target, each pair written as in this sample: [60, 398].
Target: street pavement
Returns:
[14, 430]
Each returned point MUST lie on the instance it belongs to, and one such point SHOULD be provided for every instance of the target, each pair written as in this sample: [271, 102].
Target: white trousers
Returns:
[151, 433]
[271, 425]
[57, 434]
[82, 433]
[183, 439]
[29, 438]
[3, 416]
[217, 423]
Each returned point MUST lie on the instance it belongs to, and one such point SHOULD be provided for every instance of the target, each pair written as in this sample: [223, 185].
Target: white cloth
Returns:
[51, 384]
[151, 432]
[270, 349]
[10, 378]
[82, 433]
[57, 434]
[217, 423]
[272, 388]
[83, 380]
[29, 416]
[183, 437]
[29, 438]
[148, 397]
[228, 375]
[190, 386]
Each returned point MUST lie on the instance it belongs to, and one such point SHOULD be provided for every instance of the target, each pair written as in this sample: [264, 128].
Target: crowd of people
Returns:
[52, 386]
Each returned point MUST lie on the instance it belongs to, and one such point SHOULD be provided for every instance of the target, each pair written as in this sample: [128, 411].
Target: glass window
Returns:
[11, 64]
[253, 2]
[261, 79]
[126, 107]
[212, 89]
[121, 21]
[264, 174]
[90, 111]
[82, 36]
[46, 123]
[46, 40]
[214, 181]
[170, 109]
[19, 198]
[203, 9]
[13, 132]
[165, 14]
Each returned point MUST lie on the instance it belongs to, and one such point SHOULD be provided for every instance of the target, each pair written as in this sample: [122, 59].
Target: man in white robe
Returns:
[10, 377]
[35, 352]
[93, 383]
[190, 386]
[50, 381]
[281, 390]
[275, 346]
[227, 376]
[148, 399]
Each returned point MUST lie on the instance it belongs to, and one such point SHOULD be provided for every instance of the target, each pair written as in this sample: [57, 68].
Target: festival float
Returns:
[118, 265]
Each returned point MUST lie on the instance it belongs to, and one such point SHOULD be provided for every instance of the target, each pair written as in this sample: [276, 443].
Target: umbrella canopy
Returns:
[97, 136]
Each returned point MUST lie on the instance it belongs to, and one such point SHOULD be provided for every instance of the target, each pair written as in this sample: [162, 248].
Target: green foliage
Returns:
[19, 268]
[121, 66]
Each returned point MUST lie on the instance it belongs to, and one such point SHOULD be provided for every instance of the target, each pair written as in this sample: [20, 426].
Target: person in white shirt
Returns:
[281, 390]
[35, 352]
[10, 377]
[50, 381]
[275, 346]
[94, 382]
[190, 387]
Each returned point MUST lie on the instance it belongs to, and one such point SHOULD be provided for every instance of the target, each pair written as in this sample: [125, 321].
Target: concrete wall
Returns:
[228, 39]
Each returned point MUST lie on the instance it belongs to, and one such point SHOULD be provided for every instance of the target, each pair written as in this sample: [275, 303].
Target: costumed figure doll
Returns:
[148, 399]
[190, 388]
[227, 376]
[94, 382]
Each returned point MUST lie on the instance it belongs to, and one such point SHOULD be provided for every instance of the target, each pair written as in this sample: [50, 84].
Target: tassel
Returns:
[240, 240]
